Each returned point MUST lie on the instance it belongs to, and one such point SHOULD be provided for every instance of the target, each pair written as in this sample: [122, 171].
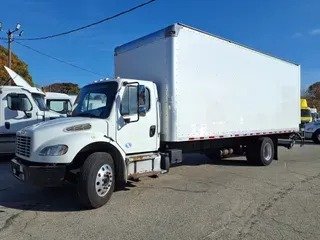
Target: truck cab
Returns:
[59, 102]
[106, 114]
[20, 106]
[306, 116]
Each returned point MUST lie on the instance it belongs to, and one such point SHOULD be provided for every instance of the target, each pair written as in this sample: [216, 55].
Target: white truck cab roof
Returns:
[57, 96]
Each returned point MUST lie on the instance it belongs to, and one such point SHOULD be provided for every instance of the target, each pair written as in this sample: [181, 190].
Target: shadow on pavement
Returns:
[60, 199]
[16, 195]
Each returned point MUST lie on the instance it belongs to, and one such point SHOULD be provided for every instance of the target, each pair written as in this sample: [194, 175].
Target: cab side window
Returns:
[16, 101]
[129, 103]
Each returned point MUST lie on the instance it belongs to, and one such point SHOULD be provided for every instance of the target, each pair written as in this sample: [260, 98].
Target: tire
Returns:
[91, 190]
[261, 152]
[316, 137]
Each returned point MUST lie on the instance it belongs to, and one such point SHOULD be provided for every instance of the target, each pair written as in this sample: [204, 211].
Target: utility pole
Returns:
[10, 38]
[10, 35]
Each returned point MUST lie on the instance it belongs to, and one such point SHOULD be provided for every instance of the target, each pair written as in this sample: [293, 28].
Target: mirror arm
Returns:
[28, 115]
[127, 120]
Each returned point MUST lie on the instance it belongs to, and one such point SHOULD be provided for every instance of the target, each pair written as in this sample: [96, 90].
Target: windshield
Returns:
[95, 100]
[59, 105]
[39, 99]
[305, 113]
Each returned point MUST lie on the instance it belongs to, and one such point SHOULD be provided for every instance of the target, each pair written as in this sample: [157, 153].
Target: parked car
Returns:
[312, 131]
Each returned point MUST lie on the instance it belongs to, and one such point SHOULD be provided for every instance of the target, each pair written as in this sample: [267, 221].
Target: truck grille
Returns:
[23, 145]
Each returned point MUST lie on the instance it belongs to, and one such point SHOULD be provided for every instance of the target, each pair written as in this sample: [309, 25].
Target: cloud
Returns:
[297, 35]
[315, 32]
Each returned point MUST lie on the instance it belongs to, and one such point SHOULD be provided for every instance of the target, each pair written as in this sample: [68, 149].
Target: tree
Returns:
[17, 65]
[314, 90]
[67, 88]
[303, 93]
[313, 95]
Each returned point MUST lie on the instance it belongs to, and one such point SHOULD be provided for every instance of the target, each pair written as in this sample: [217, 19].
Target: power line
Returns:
[92, 24]
[57, 59]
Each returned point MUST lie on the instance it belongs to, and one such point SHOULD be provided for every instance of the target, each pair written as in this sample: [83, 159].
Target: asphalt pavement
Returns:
[198, 200]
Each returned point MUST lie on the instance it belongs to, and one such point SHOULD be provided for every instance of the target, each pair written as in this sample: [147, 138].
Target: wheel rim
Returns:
[104, 180]
[318, 137]
[267, 151]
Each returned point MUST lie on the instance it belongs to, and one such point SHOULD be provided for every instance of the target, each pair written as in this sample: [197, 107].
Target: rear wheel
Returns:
[260, 152]
[97, 180]
[316, 137]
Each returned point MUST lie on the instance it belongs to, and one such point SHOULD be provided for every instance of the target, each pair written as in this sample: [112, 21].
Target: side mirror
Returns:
[18, 106]
[142, 95]
[142, 111]
[142, 101]
[127, 120]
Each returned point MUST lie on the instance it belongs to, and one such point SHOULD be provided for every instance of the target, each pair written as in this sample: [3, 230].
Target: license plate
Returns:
[18, 170]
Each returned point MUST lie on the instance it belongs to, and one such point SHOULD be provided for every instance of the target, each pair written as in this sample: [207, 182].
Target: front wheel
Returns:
[316, 137]
[97, 180]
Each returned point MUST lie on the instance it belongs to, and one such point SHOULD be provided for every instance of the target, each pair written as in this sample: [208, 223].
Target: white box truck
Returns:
[20, 106]
[176, 91]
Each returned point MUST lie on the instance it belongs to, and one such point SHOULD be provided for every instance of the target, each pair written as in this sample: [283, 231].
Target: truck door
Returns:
[15, 118]
[138, 134]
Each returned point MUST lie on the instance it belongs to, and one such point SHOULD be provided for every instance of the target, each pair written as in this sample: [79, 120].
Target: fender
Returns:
[103, 145]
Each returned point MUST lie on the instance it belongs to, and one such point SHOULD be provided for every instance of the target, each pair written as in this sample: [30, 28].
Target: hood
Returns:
[64, 131]
[312, 124]
[52, 114]
[53, 128]
[21, 82]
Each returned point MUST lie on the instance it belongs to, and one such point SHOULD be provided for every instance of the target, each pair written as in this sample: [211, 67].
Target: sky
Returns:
[289, 29]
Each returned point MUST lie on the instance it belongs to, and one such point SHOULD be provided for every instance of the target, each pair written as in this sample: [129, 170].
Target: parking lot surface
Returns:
[198, 200]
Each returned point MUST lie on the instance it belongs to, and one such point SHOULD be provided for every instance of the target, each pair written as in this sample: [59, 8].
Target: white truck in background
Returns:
[173, 95]
[59, 102]
[20, 106]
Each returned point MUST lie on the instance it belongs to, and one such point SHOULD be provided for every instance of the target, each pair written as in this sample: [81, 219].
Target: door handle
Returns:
[152, 130]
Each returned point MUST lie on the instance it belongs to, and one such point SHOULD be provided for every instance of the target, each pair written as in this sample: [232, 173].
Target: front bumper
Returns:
[38, 175]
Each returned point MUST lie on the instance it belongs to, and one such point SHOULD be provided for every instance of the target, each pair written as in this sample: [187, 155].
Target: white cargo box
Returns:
[210, 87]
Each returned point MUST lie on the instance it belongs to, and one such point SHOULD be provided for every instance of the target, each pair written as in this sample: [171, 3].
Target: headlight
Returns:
[57, 150]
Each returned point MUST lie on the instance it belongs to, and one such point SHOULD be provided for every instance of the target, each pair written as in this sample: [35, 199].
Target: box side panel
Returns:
[153, 62]
[223, 89]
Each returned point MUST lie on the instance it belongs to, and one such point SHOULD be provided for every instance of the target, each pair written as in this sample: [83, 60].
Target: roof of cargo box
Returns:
[173, 30]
